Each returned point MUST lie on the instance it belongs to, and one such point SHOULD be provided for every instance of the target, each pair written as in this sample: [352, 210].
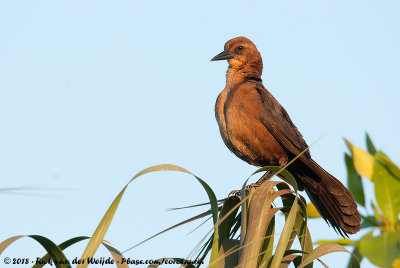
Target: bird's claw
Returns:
[247, 190]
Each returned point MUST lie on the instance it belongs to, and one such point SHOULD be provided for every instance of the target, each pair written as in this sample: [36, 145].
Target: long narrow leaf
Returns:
[172, 227]
[268, 246]
[102, 228]
[245, 201]
[285, 236]
[354, 181]
[321, 251]
[197, 205]
[226, 225]
[260, 215]
[228, 253]
[370, 145]
[115, 253]
[56, 254]
[62, 246]
[356, 260]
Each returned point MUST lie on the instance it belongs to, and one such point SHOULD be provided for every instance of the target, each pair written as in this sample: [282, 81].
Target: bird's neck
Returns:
[239, 74]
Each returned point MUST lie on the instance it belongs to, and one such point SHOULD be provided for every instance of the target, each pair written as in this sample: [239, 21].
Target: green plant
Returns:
[243, 230]
[246, 235]
[381, 243]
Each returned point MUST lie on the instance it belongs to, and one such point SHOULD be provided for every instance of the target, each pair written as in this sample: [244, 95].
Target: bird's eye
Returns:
[240, 48]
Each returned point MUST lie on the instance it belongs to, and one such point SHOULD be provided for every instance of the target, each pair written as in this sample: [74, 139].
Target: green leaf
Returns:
[377, 214]
[300, 225]
[268, 245]
[221, 233]
[354, 181]
[226, 225]
[205, 249]
[387, 189]
[52, 249]
[285, 236]
[228, 253]
[356, 260]
[370, 146]
[388, 164]
[236, 226]
[387, 186]
[381, 250]
[51, 246]
[215, 238]
[370, 221]
[103, 226]
[304, 235]
[62, 246]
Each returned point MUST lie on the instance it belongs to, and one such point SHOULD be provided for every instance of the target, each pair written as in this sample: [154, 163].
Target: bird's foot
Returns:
[239, 192]
[246, 189]
[258, 183]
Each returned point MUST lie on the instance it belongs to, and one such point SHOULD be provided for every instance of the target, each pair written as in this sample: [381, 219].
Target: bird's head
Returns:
[239, 52]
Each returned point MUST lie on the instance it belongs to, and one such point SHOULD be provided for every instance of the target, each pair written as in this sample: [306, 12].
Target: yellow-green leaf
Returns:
[363, 161]
[312, 211]
[354, 181]
[396, 263]
[392, 168]
[381, 250]
[387, 192]
[343, 242]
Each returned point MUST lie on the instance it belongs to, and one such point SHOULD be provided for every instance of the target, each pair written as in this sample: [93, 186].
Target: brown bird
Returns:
[257, 129]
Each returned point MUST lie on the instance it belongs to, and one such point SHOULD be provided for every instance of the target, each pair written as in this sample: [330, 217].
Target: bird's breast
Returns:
[230, 138]
[243, 133]
[220, 116]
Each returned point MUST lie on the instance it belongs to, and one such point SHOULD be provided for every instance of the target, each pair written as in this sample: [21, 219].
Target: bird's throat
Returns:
[235, 75]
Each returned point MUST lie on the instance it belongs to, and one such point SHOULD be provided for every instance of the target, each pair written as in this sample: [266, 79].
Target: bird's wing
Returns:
[275, 118]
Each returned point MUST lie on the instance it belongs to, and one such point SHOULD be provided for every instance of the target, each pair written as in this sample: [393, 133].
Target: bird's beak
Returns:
[224, 55]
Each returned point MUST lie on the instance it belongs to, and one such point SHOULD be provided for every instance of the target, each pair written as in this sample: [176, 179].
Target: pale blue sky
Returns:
[91, 92]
